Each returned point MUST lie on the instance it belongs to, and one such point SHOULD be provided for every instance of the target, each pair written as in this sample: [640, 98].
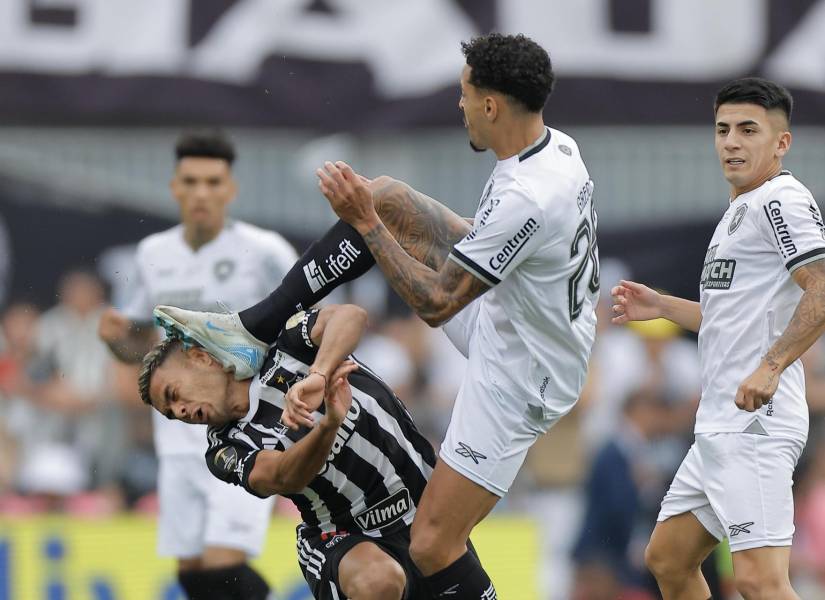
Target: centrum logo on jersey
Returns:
[717, 273]
[386, 512]
[514, 245]
[318, 276]
[780, 228]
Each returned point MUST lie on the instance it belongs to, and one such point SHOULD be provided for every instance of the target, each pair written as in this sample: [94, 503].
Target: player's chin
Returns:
[476, 147]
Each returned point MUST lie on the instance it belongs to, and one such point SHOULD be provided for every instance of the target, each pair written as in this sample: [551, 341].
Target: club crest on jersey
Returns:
[223, 269]
[737, 219]
[717, 273]
[386, 512]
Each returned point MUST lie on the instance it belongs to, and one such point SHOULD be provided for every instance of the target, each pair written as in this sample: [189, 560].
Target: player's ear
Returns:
[200, 356]
[784, 144]
[490, 108]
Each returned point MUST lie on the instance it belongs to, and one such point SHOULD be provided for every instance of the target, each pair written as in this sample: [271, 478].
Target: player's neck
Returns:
[775, 170]
[518, 135]
[196, 237]
[238, 397]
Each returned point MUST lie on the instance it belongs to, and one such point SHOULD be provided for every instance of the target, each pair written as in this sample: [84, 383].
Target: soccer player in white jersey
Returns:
[762, 304]
[210, 527]
[519, 292]
[531, 252]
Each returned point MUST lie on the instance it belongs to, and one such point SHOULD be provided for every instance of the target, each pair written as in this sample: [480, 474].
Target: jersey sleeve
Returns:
[793, 224]
[231, 462]
[505, 234]
[296, 338]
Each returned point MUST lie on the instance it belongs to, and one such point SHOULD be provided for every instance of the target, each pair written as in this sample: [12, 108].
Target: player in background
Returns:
[762, 304]
[205, 261]
[531, 253]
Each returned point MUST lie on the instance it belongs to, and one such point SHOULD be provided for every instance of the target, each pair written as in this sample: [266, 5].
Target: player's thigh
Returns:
[235, 519]
[182, 509]
[679, 543]
[366, 567]
[450, 507]
[425, 228]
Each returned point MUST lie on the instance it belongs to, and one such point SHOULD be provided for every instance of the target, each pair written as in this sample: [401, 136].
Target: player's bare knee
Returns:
[664, 565]
[386, 582]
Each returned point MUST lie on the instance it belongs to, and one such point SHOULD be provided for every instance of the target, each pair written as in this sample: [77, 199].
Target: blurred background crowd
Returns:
[87, 128]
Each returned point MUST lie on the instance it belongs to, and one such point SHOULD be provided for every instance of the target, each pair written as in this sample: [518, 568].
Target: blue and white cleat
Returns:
[221, 334]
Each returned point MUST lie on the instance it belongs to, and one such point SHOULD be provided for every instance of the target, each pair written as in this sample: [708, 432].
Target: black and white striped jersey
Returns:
[378, 465]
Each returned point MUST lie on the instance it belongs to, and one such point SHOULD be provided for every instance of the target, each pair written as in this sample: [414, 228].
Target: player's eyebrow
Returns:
[739, 124]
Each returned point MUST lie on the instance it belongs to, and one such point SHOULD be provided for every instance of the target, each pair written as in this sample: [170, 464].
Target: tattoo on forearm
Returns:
[431, 294]
[807, 322]
[424, 228]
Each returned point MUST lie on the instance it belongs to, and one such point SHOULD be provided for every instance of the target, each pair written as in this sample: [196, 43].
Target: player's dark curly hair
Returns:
[755, 90]
[514, 65]
[205, 143]
[154, 359]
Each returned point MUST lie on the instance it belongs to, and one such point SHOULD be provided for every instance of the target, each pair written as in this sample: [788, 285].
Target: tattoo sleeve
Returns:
[807, 322]
[426, 229]
[435, 296]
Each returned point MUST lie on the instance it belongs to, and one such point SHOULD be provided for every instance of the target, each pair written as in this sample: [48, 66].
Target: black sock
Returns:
[339, 256]
[465, 579]
[240, 582]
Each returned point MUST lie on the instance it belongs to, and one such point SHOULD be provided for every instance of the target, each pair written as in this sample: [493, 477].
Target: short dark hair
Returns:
[154, 359]
[514, 65]
[205, 143]
[755, 90]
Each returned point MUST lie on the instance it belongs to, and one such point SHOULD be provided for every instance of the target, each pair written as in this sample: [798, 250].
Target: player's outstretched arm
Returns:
[127, 340]
[805, 326]
[337, 332]
[636, 302]
[291, 471]
[434, 294]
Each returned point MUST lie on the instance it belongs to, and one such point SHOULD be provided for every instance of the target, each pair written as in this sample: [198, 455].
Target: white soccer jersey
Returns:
[534, 241]
[748, 297]
[238, 268]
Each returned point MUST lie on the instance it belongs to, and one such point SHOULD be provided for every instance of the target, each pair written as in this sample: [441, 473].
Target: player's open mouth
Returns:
[201, 415]
[735, 161]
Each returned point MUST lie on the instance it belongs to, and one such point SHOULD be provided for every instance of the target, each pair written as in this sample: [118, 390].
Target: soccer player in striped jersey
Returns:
[762, 304]
[356, 475]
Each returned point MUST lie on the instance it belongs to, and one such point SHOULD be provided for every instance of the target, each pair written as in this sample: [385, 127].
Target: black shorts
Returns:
[320, 555]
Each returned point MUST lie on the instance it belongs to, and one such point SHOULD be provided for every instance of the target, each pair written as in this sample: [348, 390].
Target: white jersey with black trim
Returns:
[747, 297]
[237, 269]
[534, 241]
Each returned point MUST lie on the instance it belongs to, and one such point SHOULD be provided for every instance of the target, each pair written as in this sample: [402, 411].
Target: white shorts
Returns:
[489, 433]
[198, 510]
[739, 486]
